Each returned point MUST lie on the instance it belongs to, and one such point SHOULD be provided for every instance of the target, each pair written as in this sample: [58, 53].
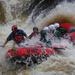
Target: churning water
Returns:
[56, 64]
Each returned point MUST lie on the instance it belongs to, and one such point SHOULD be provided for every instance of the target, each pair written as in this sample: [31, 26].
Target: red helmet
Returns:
[14, 27]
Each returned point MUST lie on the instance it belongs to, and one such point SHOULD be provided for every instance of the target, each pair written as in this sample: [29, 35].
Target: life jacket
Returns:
[18, 37]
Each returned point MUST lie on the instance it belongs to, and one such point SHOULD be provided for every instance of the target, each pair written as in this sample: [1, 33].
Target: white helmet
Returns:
[57, 25]
[51, 27]
[45, 28]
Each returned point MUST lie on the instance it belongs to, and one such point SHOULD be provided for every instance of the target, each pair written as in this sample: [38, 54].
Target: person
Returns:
[17, 35]
[43, 34]
[60, 31]
[57, 25]
[34, 33]
[52, 28]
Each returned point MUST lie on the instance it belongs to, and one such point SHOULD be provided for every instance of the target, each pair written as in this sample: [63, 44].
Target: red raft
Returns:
[30, 51]
[29, 55]
[67, 26]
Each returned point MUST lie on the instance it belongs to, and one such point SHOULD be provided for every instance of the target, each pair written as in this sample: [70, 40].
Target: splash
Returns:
[59, 10]
[7, 8]
[55, 64]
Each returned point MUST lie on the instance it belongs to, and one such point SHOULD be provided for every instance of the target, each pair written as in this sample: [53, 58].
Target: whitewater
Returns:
[56, 64]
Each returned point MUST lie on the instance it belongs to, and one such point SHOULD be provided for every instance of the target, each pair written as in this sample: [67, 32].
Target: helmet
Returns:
[35, 28]
[14, 28]
[45, 28]
[56, 25]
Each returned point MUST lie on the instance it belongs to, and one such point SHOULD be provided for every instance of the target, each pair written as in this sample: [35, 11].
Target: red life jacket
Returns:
[19, 38]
